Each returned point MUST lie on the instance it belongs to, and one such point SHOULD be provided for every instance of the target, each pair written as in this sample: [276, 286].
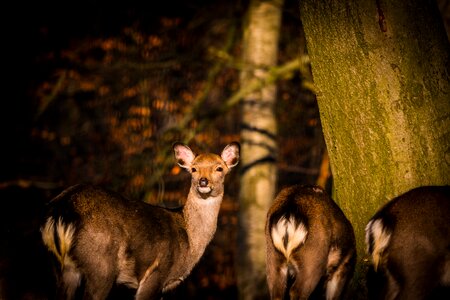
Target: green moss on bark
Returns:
[383, 91]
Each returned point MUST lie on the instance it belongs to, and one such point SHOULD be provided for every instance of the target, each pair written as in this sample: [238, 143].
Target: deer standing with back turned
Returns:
[310, 246]
[408, 241]
[101, 239]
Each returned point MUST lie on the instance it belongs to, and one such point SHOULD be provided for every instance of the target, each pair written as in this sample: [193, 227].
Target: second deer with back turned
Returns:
[310, 245]
[101, 239]
[408, 241]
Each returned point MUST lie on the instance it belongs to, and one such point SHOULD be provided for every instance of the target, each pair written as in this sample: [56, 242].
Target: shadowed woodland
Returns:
[97, 92]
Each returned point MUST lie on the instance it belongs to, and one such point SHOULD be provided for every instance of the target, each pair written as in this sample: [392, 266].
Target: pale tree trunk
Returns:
[259, 148]
[381, 68]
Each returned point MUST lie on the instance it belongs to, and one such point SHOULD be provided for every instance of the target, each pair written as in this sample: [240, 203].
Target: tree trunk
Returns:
[381, 69]
[258, 139]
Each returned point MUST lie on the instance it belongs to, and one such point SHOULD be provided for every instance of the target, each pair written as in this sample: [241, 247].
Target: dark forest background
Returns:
[98, 91]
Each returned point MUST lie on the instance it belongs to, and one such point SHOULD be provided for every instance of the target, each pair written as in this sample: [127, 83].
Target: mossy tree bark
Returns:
[258, 139]
[381, 69]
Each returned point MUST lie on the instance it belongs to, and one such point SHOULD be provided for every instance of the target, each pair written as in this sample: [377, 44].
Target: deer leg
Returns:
[278, 282]
[149, 287]
[97, 286]
[277, 272]
[418, 285]
[411, 268]
[68, 284]
[309, 272]
[391, 287]
[302, 289]
[99, 278]
[338, 280]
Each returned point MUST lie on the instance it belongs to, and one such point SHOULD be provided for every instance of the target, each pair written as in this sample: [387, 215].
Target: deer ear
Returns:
[183, 155]
[230, 154]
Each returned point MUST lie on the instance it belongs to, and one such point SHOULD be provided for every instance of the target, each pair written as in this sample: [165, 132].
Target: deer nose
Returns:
[203, 182]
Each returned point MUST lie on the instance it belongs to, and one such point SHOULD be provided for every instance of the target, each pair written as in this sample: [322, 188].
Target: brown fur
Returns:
[102, 239]
[321, 243]
[408, 240]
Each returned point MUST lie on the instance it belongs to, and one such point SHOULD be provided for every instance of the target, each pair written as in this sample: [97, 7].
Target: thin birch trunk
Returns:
[259, 148]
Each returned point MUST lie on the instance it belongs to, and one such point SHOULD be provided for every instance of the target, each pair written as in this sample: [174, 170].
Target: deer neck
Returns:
[200, 215]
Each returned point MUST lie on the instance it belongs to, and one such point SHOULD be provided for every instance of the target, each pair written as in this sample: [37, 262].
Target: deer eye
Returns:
[219, 169]
[193, 170]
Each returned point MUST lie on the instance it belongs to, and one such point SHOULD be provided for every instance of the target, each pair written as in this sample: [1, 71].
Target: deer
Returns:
[408, 242]
[310, 245]
[101, 240]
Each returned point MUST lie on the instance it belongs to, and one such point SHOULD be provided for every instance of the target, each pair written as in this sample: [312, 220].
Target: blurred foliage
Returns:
[109, 108]
[110, 104]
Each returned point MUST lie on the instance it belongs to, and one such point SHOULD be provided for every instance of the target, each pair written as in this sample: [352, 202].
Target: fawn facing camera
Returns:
[101, 239]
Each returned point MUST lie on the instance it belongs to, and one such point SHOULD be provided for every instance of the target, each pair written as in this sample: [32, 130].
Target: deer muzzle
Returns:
[203, 186]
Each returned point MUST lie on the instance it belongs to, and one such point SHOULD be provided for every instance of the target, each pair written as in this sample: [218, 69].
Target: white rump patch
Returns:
[380, 240]
[71, 276]
[65, 236]
[367, 236]
[290, 230]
